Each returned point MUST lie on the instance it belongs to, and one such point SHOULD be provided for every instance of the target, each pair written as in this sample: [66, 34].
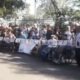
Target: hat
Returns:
[53, 36]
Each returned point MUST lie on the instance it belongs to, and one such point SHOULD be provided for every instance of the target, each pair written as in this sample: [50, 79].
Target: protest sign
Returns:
[27, 46]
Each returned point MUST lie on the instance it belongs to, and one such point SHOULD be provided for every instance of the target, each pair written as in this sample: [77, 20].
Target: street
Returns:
[24, 67]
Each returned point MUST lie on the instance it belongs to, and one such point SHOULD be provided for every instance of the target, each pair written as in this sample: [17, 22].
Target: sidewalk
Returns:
[23, 67]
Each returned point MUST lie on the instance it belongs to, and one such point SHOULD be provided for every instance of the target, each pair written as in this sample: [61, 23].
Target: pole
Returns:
[35, 9]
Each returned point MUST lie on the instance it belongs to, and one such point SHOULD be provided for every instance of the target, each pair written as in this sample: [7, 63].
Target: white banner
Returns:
[1, 38]
[27, 46]
[62, 42]
[18, 40]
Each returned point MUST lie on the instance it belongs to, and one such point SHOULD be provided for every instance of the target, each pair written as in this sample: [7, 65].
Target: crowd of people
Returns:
[34, 32]
[37, 32]
[44, 32]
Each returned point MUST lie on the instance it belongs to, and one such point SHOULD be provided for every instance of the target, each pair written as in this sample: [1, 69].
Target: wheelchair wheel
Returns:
[49, 56]
[56, 58]
[78, 59]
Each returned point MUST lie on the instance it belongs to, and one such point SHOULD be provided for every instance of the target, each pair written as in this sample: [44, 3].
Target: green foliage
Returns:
[8, 6]
[76, 15]
[60, 8]
[1, 11]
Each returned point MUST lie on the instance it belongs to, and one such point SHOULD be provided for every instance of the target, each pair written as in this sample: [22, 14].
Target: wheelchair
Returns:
[43, 51]
[55, 55]
[77, 55]
[68, 54]
[7, 46]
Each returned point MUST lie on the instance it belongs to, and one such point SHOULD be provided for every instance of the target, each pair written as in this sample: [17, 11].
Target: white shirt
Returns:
[70, 43]
[12, 38]
[69, 35]
[52, 43]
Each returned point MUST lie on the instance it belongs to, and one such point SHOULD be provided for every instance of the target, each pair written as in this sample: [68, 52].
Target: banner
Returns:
[52, 43]
[62, 42]
[27, 46]
[18, 40]
[1, 38]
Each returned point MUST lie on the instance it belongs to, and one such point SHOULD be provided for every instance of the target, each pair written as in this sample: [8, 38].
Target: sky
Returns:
[31, 9]
[32, 6]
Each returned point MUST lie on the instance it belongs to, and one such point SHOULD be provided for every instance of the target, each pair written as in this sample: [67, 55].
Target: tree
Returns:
[8, 6]
[58, 6]
[59, 9]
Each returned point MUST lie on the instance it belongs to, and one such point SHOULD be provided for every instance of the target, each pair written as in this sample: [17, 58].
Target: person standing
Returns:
[12, 39]
[49, 32]
[77, 46]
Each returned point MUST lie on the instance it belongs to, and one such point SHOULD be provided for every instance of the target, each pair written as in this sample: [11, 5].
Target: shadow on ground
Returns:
[24, 64]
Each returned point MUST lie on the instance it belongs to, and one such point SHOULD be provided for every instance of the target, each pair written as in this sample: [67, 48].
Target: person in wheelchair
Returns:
[68, 51]
[52, 44]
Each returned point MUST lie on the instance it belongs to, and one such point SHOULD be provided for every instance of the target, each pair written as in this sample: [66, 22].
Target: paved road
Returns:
[23, 67]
